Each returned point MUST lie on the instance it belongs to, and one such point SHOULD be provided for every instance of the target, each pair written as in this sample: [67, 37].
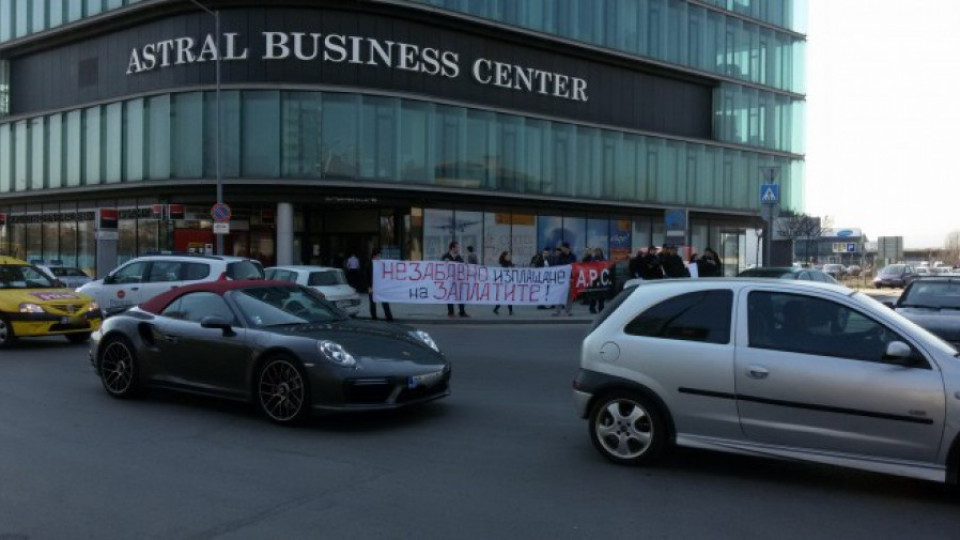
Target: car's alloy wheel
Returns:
[118, 368]
[627, 429]
[6, 334]
[282, 391]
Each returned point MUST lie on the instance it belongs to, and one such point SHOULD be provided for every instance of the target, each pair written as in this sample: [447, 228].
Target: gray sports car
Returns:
[276, 344]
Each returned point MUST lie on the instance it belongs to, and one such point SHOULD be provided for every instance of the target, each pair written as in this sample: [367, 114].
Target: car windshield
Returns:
[282, 305]
[14, 276]
[932, 294]
[62, 271]
[242, 270]
[327, 277]
[893, 269]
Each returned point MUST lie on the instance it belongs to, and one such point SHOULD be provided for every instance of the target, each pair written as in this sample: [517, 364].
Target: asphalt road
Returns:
[504, 457]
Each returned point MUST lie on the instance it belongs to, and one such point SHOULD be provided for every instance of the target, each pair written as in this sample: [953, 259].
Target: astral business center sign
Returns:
[331, 49]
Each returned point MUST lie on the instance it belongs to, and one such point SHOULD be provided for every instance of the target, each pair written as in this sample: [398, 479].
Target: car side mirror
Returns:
[212, 321]
[899, 353]
[110, 279]
[889, 303]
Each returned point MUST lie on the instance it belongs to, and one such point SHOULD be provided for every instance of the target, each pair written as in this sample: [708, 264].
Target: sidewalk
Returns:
[478, 314]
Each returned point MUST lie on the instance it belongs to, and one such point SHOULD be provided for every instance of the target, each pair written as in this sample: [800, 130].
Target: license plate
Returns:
[428, 379]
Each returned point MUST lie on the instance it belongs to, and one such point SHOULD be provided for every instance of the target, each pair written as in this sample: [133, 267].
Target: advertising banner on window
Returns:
[441, 282]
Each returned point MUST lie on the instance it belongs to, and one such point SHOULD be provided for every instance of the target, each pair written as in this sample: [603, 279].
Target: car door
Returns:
[122, 288]
[811, 374]
[197, 356]
[683, 348]
[164, 275]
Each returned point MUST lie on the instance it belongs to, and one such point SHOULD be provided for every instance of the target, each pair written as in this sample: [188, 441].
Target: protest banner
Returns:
[444, 282]
[592, 278]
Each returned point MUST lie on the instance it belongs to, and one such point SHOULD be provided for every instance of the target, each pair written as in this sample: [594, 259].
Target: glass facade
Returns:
[19, 18]
[322, 135]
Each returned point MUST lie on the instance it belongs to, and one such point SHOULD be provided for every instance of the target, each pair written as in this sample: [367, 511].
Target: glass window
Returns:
[416, 142]
[229, 133]
[68, 239]
[245, 270]
[379, 144]
[6, 159]
[699, 316]
[330, 277]
[54, 12]
[131, 273]
[808, 325]
[6, 20]
[93, 146]
[161, 271]
[74, 161]
[74, 10]
[340, 135]
[127, 229]
[194, 271]
[194, 307]
[148, 234]
[21, 146]
[301, 149]
[23, 18]
[261, 134]
[39, 16]
[187, 140]
[55, 151]
[51, 234]
[158, 133]
[113, 142]
[133, 139]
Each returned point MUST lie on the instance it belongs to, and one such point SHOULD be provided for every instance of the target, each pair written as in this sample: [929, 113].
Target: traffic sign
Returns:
[221, 213]
[851, 248]
[769, 193]
[221, 227]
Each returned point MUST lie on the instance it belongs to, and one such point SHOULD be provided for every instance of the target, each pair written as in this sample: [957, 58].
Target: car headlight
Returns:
[335, 353]
[425, 337]
[30, 308]
[93, 307]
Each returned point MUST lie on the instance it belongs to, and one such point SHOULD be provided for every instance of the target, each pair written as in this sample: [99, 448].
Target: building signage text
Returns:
[360, 51]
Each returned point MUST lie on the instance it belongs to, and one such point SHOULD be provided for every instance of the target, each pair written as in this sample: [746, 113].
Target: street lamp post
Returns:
[216, 17]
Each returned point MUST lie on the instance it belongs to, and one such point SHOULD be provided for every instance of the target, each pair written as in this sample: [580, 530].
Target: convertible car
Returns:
[276, 344]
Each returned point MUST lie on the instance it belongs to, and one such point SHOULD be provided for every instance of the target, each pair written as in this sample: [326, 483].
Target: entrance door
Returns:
[730, 252]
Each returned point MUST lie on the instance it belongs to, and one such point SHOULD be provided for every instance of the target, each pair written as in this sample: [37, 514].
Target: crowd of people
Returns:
[652, 263]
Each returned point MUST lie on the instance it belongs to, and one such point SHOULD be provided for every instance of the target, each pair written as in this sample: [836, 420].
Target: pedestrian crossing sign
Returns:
[769, 193]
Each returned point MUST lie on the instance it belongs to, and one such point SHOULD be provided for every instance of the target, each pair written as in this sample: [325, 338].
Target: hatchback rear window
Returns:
[698, 316]
[245, 270]
[328, 277]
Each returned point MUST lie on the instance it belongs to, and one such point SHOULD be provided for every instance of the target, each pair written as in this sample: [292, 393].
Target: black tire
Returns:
[82, 337]
[7, 337]
[282, 390]
[119, 368]
[627, 428]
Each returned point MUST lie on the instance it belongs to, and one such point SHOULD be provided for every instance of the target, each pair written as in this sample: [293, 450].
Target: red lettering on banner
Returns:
[534, 293]
[386, 270]
[417, 275]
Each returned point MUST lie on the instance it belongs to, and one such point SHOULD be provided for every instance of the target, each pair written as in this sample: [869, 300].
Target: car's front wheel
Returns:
[7, 336]
[119, 370]
[282, 391]
[627, 428]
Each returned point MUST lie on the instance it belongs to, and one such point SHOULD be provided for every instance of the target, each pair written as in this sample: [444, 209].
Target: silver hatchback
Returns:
[783, 369]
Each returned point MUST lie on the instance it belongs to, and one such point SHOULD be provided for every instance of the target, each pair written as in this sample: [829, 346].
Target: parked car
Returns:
[836, 271]
[145, 277]
[70, 276]
[777, 368]
[934, 304]
[788, 272]
[276, 344]
[32, 304]
[854, 270]
[895, 275]
[330, 282]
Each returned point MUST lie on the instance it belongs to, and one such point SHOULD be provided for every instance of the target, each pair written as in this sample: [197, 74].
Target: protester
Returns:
[651, 267]
[635, 266]
[597, 300]
[709, 265]
[672, 263]
[471, 256]
[368, 278]
[541, 260]
[453, 255]
[565, 257]
[505, 262]
[353, 272]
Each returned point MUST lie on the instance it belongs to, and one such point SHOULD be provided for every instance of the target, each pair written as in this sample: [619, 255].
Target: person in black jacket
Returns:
[566, 256]
[368, 279]
[506, 262]
[453, 255]
[650, 267]
[673, 266]
[709, 265]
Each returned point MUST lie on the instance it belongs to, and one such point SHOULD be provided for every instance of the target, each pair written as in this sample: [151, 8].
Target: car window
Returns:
[282, 305]
[285, 275]
[194, 271]
[241, 270]
[131, 273]
[931, 294]
[60, 271]
[194, 307]
[161, 271]
[23, 277]
[699, 316]
[810, 325]
[326, 277]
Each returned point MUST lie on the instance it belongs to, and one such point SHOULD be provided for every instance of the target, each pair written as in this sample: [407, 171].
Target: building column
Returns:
[284, 234]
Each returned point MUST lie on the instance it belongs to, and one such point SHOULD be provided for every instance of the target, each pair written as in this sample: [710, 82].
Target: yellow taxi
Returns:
[33, 304]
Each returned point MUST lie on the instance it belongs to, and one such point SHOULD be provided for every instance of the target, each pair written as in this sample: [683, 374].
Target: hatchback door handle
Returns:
[757, 372]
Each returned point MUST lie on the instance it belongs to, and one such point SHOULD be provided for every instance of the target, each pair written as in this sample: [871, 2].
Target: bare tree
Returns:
[800, 227]
[952, 248]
